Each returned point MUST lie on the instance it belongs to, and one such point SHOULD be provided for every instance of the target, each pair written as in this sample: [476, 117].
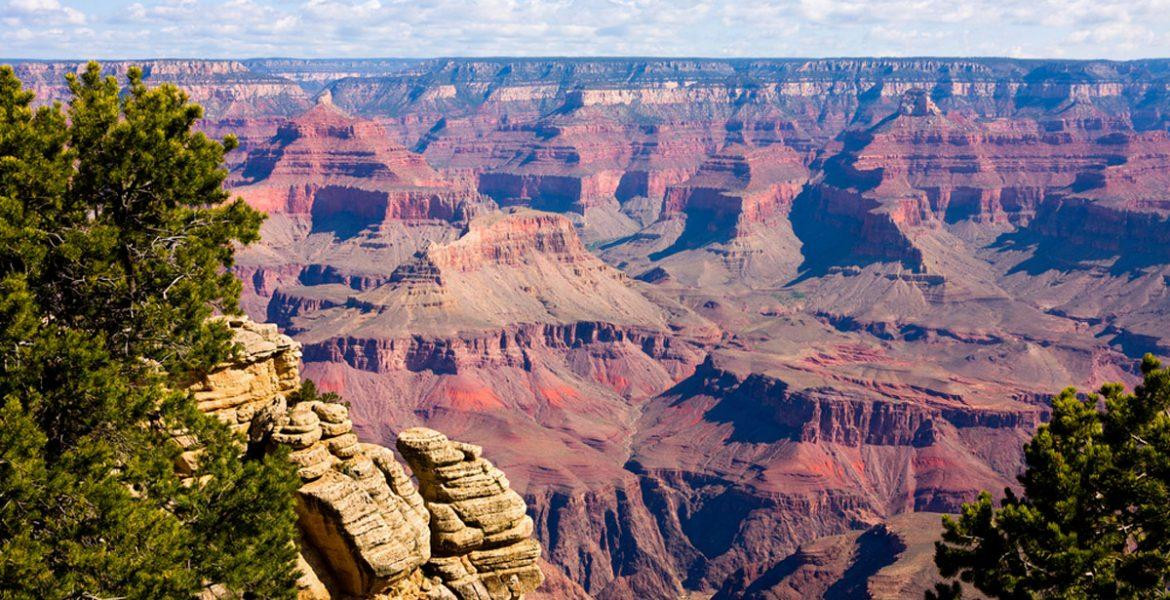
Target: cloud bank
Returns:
[1118, 29]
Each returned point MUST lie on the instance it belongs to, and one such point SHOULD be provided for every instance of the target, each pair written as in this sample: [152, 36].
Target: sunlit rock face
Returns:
[366, 531]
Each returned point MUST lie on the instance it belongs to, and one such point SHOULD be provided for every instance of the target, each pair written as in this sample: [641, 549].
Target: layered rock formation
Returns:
[755, 451]
[482, 536]
[319, 155]
[335, 185]
[268, 369]
[889, 561]
[920, 168]
[366, 531]
[227, 89]
[829, 291]
[512, 330]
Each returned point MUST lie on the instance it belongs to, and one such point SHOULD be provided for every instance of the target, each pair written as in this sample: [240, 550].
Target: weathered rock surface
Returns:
[318, 157]
[227, 89]
[366, 532]
[334, 185]
[481, 536]
[889, 561]
[267, 369]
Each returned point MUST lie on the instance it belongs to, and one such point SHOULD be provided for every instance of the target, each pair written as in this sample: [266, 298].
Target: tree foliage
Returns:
[1094, 517]
[116, 239]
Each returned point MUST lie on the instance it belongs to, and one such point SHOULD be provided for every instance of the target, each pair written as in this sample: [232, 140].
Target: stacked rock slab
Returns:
[481, 541]
[266, 369]
[366, 532]
[363, 525]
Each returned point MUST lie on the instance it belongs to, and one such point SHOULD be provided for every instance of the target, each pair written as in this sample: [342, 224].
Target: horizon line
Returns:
[594, 57]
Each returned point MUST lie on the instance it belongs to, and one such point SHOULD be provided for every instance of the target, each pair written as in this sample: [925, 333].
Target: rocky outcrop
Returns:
[516, 283]
[366, 530]
[360, 517]
[330, 165]
[267, 368]
[481, 536]
[737, 187]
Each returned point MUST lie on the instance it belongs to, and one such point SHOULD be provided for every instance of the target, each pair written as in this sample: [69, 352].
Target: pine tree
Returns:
[1094, 517]
[116, 240]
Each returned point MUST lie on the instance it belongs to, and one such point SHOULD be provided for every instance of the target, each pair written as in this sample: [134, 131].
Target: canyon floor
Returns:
[732, 328]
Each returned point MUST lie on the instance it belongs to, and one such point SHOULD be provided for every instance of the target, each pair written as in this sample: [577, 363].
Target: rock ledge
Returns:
[366, 530]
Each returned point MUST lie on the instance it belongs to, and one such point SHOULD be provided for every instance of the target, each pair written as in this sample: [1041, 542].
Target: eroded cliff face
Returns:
[227, 89]
[515, 331]
[891, 560]
[367, 530]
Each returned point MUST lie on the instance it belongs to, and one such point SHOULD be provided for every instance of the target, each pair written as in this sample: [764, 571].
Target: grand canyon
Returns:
[732, 328]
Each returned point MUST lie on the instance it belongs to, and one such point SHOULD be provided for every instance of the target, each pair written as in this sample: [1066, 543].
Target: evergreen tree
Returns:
[1094, 517]
[116, 239]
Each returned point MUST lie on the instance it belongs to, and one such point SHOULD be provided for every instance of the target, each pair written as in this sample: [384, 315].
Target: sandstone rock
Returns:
[314, 461]
[266, 368]
[372, 538]
[368, 547]
[480, 530]
[366, 532]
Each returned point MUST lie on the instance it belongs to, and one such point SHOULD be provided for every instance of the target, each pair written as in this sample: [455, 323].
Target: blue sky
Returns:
[420, 28]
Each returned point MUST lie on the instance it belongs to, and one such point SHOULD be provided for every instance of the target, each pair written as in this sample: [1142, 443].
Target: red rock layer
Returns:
[931, 170]
[326, 163]
[750, 461]
[739, 186]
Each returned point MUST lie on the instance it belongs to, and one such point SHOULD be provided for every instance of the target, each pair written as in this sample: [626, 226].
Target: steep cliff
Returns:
[227, 89]
[339, 192]
[891, 560]
[516, 334]
[367, 531]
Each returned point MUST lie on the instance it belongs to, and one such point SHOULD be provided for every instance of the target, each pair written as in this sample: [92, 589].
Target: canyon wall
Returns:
[704, 313]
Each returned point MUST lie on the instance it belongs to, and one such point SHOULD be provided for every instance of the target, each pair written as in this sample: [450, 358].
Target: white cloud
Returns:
[1120, 35]
[216, 28]
[44, 12]
[31, 6]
